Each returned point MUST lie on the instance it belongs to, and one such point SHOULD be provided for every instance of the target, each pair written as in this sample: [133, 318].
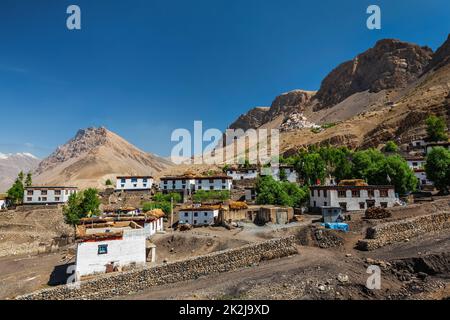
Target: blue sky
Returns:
[143, 68]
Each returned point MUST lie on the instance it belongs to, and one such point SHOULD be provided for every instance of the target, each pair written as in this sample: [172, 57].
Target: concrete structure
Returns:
[421, 175]
[199, 215]
[3, 201]
[107, 247]
[289, 172]
[131, 183]
[352, 198]
[215, 183]
[243, 173]
[184, 184]
[273, 214]
[47, 195]
[415, 162]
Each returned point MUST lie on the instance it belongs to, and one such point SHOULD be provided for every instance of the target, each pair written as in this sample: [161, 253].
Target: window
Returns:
[122, 185]
[57, 198]
[312, 193]
[205, 221]
[165, 181]
[324, 193]
[44, 198]
[195, 221]
[371, 193]
[355, 194]
[383, 193]
[414, 164]
[362, 205]
[57, 192]
[133, 180]
[342, 194]
[135, 185]
[199, 187]
[44, 192]
[29, 199]
[145, 185]
[325, 204]
[224, 187]
[223, 181]
[211, 180]
[186, 214]
[211, 188]
[383, 204]
[165, 187]
[30, 192]
[205, 213]
[195, 214]
[144, 180]
[343, 205]
[103, 249]
[183, 181]
[122, 180]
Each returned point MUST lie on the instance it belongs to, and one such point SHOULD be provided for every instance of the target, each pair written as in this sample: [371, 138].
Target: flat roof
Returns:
[50, 187]
[196, 178]
[352, 187]
[135, 177]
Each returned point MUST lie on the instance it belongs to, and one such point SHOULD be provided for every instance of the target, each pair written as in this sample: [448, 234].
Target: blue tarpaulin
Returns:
[336, 226]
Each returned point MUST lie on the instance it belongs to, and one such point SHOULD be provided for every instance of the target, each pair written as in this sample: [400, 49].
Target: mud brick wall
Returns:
[119, 284]
[398, 231]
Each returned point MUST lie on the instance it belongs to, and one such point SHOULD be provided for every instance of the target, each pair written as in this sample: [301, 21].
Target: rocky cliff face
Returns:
[441, 57]
[252, 119]
[390, 64]
[283, 105]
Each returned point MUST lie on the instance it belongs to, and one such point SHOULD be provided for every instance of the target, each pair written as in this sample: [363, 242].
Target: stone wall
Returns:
[398, 231]
[120, 284]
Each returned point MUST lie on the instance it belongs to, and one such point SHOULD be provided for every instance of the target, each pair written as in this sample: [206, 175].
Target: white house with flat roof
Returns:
[421, 175]
[103, 248]
[289, 173]
[47, 195]
[177, 184]
[134, 183]
[415, 162]
[199, 216]
[352, 198]
[243, 173]
[215, 183]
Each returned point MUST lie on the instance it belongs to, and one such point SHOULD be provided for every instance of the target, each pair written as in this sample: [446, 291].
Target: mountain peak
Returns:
[391, 63]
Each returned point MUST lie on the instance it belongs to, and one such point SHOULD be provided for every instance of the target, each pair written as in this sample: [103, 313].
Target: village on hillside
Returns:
[329, 197]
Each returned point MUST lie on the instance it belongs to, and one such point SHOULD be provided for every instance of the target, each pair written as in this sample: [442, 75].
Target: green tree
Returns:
[401, 176]
[437, 167]
[283, 175]
[159, 197]
[211, 195]
[16, 192]
[21, 176]
[73, 210]
[90, 202]
[108, 183]
[270, 191]
[164, 206]
[436, 128]
[391, 146]
[29, 180]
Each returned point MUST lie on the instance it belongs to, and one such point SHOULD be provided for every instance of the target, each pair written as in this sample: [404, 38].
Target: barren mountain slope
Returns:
[92, 157]
[12, 164]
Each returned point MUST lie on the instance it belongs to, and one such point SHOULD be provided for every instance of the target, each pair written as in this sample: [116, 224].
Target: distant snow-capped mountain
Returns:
[12, 163]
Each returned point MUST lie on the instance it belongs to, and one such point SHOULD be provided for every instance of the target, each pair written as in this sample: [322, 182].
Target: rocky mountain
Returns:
[93, 156]
[384, 93]
[390, 64]
[12, 164]
[252, 119]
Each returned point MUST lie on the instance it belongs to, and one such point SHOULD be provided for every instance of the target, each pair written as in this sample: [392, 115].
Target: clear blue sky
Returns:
[143, 67]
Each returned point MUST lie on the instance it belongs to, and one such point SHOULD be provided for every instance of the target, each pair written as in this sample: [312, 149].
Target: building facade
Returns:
[213, 183]
[101, 250]
[199, 216]
[243, 173]
[47, 195]
[177, 184]
[130, 183]
[288, 171]
[421, 176]
[352, 198]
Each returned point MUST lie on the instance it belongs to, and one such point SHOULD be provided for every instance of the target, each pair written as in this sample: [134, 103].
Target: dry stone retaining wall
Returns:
[110, 285]
[397, 231]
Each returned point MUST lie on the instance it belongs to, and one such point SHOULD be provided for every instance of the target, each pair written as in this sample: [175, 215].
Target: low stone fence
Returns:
[120, 284]
[398, 231]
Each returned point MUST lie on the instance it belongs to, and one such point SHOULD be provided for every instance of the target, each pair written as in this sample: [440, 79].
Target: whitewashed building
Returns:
[155, 224]
[134, 183]
[213, 183]
[415, 162]
[47, 195]
[421, 176]
[352, 198]
[243, 173]
[289, 172]
[3, 201]
[199, 216]
[177, 184]
[118, 245]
